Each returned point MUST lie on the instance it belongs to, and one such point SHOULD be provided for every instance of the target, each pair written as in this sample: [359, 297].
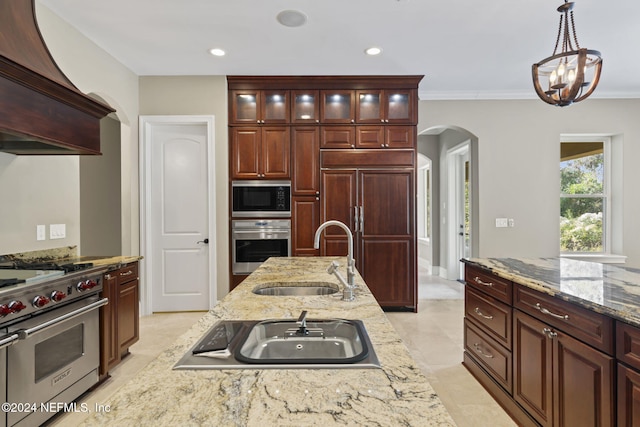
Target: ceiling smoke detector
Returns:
[291, 18]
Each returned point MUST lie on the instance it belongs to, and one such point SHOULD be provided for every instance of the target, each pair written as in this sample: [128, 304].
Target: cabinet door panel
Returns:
[128, 315]
[387, 203]
[490, 314]
[628, 397]
[494, 358]
[370, 137]
[245, 152]
[305, 166]
[532, 369]
[400, 136]
[578, 367]
[337, 137]
[338, 202]
[386, 266]
[276, 152]
[305, 220]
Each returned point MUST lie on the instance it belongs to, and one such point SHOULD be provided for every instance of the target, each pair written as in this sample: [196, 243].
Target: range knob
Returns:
[58, 296]
[86, 285]
[16, 306]
[4, 310]
[40, 301]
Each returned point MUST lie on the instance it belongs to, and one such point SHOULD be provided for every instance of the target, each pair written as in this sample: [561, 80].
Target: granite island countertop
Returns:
[604, 288]
[396, 394]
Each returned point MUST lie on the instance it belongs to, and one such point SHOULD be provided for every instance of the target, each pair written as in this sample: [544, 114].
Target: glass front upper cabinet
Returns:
[385, 106]
[259, 107]
[337, 106]
[305, 106]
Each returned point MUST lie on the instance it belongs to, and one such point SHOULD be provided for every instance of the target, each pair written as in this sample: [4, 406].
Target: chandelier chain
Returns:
[555, 49]
[575, 35]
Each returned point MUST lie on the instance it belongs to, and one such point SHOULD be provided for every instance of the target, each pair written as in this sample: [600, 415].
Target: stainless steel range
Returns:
[49, 338]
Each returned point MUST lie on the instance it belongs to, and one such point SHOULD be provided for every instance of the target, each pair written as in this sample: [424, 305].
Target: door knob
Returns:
[205, 241]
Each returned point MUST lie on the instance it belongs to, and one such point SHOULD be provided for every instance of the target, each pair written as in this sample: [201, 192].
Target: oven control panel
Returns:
[24, 299]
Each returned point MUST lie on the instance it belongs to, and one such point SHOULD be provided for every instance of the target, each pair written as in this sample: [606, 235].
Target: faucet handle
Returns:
[302, 320]
[333, 267]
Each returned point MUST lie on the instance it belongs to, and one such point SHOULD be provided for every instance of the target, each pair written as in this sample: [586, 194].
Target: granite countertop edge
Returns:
[621, 285]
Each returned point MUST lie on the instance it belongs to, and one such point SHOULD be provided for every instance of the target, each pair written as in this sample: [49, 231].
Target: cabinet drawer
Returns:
[590, 327]
[493, 285]
[628, 344]
[128, 272]
[494, 358]
[491, 314]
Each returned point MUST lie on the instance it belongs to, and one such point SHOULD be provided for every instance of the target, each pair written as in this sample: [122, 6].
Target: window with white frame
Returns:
[585, 202]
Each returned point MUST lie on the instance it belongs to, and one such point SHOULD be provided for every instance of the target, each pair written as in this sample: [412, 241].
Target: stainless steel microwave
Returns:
[258, 199]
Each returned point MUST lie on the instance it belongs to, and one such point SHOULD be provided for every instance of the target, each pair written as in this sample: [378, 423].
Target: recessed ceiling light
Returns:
[291, 18]
[217, 52]
[373, 51]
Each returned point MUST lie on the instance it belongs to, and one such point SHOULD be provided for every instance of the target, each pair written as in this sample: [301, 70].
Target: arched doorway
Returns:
[453, 197]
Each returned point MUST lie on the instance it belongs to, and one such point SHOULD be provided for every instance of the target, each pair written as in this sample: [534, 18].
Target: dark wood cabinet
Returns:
[305, 220]
[260, 152]
[337, 106]
[255, 107]
[119, 320]
[391, 106]
[294, 127]
[628, 355]
[551, 365]
[109, 344]
[128, 308]
[378, 207]
[559, 380]
[305, 161]
[305, 187]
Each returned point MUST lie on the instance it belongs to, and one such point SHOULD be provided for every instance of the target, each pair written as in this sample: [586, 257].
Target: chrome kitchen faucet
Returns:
[349, 284]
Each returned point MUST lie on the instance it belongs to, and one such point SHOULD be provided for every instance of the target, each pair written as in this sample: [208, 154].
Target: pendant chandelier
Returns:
[571, 73]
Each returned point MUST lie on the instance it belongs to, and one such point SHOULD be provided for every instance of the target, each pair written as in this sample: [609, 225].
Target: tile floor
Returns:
[433, 336]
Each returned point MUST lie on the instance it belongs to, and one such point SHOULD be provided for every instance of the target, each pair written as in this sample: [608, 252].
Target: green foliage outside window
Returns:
[582, 204]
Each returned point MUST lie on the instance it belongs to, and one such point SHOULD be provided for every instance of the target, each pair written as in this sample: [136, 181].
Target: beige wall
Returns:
[199, 95]
[518, 158]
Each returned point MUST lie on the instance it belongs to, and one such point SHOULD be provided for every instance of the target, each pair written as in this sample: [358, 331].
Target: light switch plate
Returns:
[502, 222]
[41, 232]
[57, 231]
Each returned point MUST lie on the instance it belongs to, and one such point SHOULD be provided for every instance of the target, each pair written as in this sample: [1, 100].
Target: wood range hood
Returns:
[41, 111]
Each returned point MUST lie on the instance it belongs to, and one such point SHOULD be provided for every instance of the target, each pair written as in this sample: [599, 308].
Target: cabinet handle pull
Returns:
[107, 276]
[483, 354]
[355, 214]
[480, 282]
[545, 311]
[362, 219]
[479, 313]
[548, 332]
[126, 273]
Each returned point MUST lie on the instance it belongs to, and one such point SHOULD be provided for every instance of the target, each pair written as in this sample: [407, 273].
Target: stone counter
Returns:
[397, 394]
[603, 288]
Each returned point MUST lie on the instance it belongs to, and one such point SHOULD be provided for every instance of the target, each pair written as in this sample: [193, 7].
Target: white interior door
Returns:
[179, 213]
[459, 217]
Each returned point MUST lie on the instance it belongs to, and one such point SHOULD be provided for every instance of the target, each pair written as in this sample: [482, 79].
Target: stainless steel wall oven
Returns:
[253, 241]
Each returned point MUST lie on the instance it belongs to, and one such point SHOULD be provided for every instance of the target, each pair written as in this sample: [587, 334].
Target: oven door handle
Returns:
[8, 340]
[26, 333]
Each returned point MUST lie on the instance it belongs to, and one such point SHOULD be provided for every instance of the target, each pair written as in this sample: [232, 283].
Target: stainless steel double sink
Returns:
[282, 344]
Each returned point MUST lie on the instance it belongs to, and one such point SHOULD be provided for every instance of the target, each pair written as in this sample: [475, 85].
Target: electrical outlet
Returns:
[512, 222]
[57, 231]
[502, 222]
[41, 232]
